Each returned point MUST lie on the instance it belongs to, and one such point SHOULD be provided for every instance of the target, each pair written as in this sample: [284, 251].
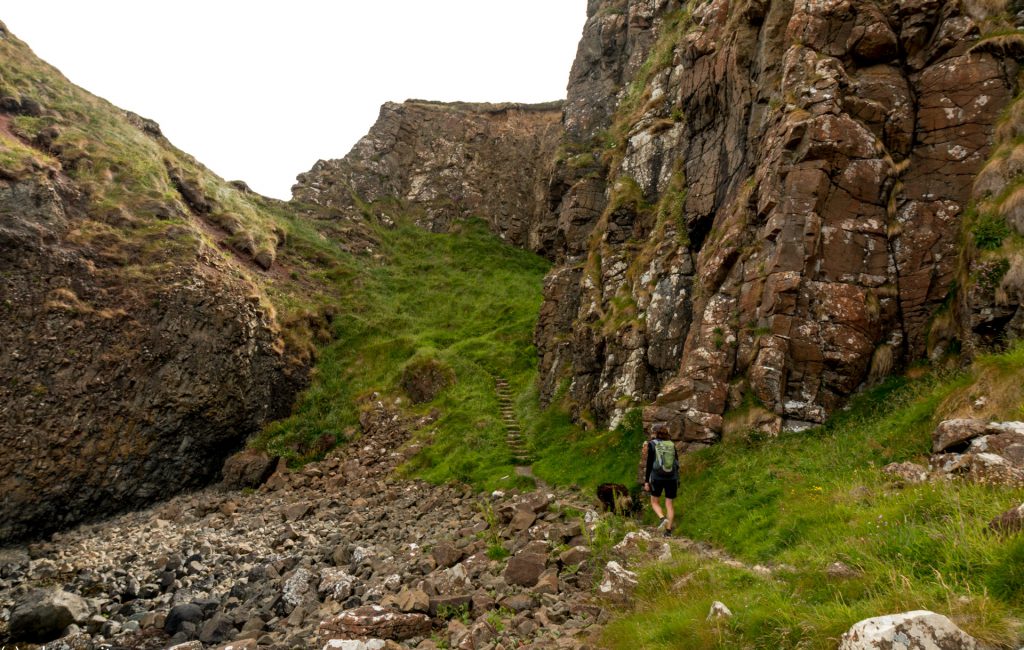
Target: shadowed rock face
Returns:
[448, 161]
[112, 394]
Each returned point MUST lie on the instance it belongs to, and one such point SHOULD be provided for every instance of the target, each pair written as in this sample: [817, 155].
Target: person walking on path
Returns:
[659, 473]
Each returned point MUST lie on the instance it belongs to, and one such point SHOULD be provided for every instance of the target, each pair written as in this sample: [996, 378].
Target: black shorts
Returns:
[668, 485]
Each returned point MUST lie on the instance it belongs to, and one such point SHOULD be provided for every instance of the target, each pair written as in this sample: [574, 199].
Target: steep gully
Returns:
[752, 207]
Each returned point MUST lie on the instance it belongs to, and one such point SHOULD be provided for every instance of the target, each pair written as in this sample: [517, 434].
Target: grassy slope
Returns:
[469, 301]
[802, 501]
[465, 299]
[807, 500]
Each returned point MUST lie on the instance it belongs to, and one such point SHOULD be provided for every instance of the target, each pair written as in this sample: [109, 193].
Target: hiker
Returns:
[659, 472]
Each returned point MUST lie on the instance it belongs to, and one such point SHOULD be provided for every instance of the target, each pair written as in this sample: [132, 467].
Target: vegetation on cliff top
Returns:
[145, 211]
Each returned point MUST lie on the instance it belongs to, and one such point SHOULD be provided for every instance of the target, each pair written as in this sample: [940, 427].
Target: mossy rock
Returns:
[424, 378]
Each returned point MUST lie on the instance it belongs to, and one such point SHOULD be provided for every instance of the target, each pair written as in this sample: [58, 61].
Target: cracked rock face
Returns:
[447, 162]
[782, 220]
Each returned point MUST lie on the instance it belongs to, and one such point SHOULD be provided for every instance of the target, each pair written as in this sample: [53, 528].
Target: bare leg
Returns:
[670, 511]
[656, 506]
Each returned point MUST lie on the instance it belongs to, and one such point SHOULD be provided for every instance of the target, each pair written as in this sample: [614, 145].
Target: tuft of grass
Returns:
[989, 231]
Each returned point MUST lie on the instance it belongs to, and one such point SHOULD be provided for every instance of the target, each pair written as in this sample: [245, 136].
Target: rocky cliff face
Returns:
[447, 162]
[783, 190]
[754, 207]
[135, 352]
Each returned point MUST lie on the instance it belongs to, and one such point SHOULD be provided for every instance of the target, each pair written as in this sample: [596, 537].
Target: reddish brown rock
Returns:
[374, 622]
[445, 555]
[524, 569]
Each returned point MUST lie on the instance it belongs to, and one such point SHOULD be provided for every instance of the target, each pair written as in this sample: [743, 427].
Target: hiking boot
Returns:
[663, 524]
[668, 532]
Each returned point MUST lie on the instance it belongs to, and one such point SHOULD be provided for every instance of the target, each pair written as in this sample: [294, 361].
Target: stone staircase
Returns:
[513, 434]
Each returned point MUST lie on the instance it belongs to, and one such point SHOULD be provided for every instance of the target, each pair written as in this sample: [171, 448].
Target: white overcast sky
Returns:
[260, 90]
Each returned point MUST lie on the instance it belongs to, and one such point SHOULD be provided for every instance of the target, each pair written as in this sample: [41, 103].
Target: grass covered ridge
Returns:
[137, 225]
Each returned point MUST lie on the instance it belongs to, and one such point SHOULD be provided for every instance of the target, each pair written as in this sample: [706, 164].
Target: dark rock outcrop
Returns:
[134, 355]
[43, 614]
[114, 395]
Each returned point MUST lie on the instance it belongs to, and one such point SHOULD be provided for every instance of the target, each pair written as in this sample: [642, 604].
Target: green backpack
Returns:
[664, 458]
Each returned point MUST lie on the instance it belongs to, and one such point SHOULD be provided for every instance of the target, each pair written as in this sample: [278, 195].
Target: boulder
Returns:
[951, 433]
[336, 585]
[374, 622]
[574, 556]
[445, 555]
[547, 583]
[618, 583]
[525, 568]
[247, 469]
[918, 629]
[906, 473]
[182, 615]
[412, 600]
[42, 614]
[1011, 521]
[718, 611]
[522, 518]
[641, 545]
[299, 588]
[296, 511]
[518, 603]
[1009, 444]
[980, 468]
[449, 605]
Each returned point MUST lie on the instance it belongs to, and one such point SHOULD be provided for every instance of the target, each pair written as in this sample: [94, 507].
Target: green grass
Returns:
[465, 299]
[569, 455]
[804, 501]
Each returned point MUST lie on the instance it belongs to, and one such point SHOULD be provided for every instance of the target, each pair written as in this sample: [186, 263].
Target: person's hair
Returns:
[660, 430]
